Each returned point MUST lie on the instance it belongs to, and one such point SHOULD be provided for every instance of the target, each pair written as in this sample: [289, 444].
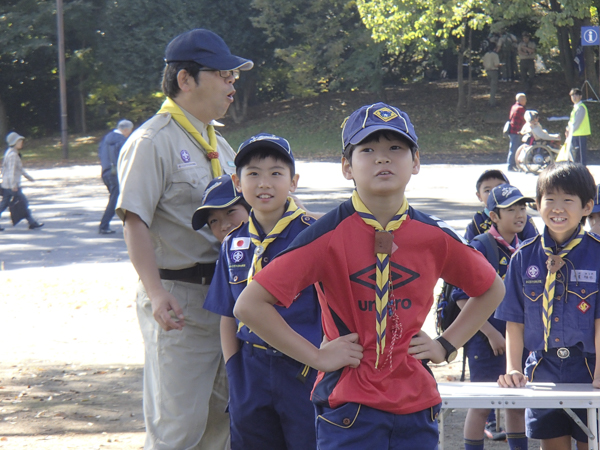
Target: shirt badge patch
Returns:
[385, 114]
[504, 261]
[583, 306]
[185, 156]
[533, 271]
[230, 163]
[237, 256]
[240, 243]
[588, 276]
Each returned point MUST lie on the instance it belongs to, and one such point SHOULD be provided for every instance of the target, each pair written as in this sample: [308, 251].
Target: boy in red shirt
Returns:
[375, 261]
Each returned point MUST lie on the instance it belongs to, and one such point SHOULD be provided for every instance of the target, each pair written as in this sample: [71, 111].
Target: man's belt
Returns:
[198, 274]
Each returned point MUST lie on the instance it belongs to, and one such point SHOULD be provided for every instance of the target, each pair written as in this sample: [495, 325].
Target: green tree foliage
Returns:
[26, 62]
[558, 23]
[321, 45]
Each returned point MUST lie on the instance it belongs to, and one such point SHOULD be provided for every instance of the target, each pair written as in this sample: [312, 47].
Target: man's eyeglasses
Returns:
[224, 73]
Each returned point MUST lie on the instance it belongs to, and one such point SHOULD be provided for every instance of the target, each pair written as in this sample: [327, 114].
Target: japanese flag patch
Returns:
[240, 243]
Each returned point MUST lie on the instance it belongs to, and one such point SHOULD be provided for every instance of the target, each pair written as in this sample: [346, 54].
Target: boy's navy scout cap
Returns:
[263, 140]
[596, 208]
[220, 193]
[504, 196]
[207, 49]
[379, 116]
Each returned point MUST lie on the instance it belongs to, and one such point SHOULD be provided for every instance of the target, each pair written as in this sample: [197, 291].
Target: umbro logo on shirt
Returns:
[401, 276]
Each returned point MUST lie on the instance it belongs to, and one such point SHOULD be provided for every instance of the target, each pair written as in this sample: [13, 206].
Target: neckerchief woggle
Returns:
[169, 106]
[553, 264]
[384, 240]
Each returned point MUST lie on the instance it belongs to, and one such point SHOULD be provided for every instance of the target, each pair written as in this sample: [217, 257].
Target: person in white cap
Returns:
[164, 169]
[12, 169]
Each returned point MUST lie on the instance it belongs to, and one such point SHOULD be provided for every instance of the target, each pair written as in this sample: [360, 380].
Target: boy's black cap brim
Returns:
[200, 217]
[261, 144]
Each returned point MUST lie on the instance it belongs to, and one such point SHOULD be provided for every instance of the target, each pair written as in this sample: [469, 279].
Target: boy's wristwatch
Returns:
[451, 351]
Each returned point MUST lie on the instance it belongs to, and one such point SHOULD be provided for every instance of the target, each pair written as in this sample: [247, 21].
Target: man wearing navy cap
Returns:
[164, 169]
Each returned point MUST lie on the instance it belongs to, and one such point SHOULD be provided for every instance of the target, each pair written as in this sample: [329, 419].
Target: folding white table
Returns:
[533, 395]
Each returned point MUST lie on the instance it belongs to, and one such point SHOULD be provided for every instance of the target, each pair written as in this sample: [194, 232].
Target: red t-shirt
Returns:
[517, 118]
[337, 252]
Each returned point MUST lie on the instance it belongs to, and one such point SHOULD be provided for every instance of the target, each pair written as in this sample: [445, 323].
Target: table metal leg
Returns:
[592, 420]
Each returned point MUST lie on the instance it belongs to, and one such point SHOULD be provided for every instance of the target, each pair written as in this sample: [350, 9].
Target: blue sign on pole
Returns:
[590, 36]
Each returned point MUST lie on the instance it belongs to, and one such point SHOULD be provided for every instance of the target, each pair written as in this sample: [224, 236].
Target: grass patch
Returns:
[312, 126]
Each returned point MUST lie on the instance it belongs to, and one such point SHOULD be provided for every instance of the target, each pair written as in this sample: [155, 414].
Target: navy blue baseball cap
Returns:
[220, 193]
[504, 196]
[262, 140]
[207, 49]
[379, 116]
[596, 208]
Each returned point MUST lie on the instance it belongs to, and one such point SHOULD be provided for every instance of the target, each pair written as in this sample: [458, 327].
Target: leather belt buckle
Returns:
[563, 353]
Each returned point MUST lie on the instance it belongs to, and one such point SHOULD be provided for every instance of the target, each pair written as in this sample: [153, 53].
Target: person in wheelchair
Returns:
[533, 133]
[539, 148]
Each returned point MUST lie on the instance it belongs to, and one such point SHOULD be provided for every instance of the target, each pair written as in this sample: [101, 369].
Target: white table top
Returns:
[533, 395]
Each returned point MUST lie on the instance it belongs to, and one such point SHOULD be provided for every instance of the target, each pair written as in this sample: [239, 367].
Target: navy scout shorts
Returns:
[269, 401]
[358, 427]
[544, 367]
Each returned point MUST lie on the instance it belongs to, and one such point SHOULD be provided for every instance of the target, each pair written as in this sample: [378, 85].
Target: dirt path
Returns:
[71, 355]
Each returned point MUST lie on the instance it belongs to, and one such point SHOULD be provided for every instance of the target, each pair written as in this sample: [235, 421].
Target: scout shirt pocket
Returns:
[533, 294]
[187, 186]
[583, 296]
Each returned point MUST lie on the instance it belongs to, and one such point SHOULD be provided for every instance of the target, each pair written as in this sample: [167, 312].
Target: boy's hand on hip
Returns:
[497, 342]
[421, 346]
[514, 379]
[341, 352]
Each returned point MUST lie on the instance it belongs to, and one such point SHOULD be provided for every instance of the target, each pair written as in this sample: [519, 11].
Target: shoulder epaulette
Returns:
[436, 222]
[307, 220]
[594, 236]
[234, 229]
[155, 124]
[529, 241]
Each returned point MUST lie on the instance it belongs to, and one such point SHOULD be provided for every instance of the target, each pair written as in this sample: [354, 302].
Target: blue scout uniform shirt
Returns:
[478, 347]
[481, 223]
[576, 294]
[231, 274]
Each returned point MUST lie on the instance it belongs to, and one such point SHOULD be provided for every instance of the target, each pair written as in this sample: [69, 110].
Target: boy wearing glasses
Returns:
[164, 169]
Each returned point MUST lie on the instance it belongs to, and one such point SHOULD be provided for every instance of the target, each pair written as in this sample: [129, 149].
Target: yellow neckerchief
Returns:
[289, 215]
[169, 106]
[553, 264]
[383, 278]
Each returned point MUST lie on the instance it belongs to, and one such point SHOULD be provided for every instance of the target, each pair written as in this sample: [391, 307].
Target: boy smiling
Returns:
[375, 262]
[551, 302]
[269, 393]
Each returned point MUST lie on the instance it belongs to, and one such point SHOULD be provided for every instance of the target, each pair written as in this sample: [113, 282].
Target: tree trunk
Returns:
[566, 53]
[470, 82]
[461, 88]
[3, 119]
[82, 106]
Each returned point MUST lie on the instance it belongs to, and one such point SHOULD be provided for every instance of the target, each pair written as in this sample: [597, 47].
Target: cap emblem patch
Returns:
[385, 114]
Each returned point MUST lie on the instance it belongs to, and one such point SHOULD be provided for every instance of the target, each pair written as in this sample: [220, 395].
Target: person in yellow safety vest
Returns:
[578, 128]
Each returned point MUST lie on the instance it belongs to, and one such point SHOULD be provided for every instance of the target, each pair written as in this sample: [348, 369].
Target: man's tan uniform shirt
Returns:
[163, 173]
